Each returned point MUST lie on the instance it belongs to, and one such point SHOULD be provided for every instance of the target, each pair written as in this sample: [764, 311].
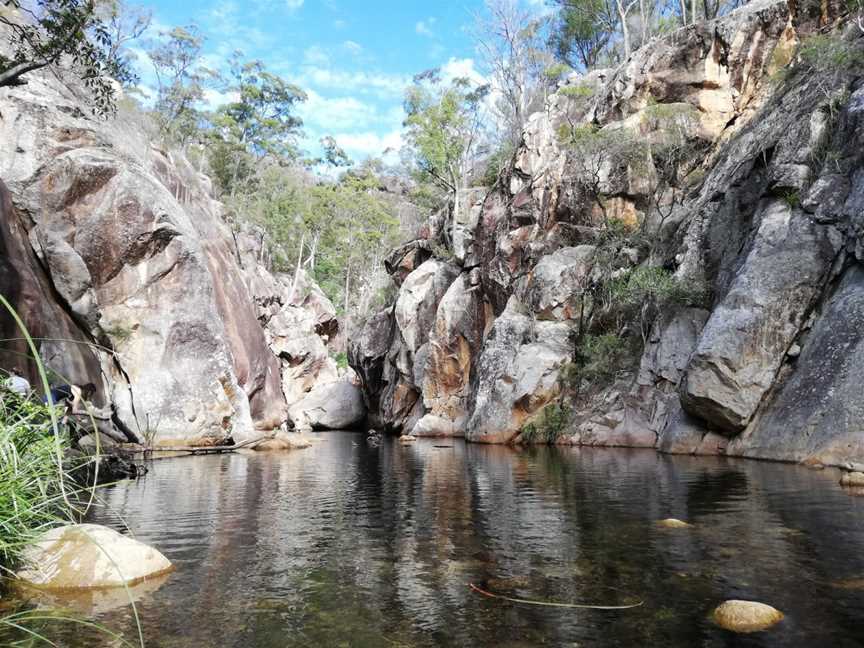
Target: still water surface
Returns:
[350, 545]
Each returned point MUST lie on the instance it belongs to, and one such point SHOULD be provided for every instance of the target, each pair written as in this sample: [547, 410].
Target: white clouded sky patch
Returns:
[293, 5]
[425, 27]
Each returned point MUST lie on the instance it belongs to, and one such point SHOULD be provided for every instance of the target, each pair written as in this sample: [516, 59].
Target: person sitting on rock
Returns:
[17, 383]
[77, 400]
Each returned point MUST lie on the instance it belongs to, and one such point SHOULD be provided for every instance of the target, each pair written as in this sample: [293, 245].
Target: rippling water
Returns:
[350, 545]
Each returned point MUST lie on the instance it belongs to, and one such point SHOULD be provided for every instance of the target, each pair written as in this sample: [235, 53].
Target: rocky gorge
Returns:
[760, 358]
[127, 273]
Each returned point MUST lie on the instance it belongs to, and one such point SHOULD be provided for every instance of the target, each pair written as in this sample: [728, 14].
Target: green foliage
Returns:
[792, 197]
[442, 128]
[601, 357]
[181, 83]
[578, 91]
[830, 53]
[497, 162]
[547, 425]
[557, 71]
[54, 30]
[657, 285]
[341, 360]
[582, 31]
[31, 497]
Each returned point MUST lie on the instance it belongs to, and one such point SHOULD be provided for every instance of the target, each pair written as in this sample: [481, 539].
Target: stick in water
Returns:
[547, 604]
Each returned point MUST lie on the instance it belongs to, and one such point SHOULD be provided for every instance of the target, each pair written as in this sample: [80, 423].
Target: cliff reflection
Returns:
[347, 544]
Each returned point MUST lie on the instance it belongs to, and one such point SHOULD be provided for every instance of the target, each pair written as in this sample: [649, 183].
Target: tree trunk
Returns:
[625, 30]
[644, 20]
[299, 265]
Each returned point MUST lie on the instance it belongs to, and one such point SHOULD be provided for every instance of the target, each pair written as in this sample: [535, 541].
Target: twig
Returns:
[550, 604]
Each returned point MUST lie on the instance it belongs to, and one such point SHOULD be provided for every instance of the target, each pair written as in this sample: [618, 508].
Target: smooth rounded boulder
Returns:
[87, 556]
[746, 616]
[333, 406]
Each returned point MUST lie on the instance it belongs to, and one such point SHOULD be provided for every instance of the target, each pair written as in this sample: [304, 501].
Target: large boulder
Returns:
[821, 397]
[89, 556]
[748, 334]
[456, 338]
[518, 373]
[135, 249]
[417, 303]
[332, 406]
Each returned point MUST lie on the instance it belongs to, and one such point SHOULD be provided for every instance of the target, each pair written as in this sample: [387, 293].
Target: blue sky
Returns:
[352, 57]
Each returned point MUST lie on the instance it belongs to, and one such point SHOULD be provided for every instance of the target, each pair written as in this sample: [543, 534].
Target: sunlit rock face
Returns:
[770, 229]
[89, 556]
[124, 263]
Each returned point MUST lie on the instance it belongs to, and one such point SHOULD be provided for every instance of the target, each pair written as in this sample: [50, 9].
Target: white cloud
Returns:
[293, 5]
[369, 83]
[461, 68]
[327, 115]
[353, 47]
[361, 145]
[339, 24]
[316, 55]
[214, 98]
[425, 27]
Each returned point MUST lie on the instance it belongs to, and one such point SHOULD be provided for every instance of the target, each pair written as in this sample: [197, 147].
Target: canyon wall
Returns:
[122, 264]
[481, 341]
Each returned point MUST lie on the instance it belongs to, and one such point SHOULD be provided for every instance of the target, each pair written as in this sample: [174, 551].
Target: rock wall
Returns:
[771, 229]
[120, 260]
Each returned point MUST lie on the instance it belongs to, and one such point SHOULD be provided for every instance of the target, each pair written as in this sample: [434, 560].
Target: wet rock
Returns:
[746, 616]
[84, 556]
[407, 439]
[333, 406]
[854, 479]
[91, 442]
[672, 523]
[285, 441]
[434, 426]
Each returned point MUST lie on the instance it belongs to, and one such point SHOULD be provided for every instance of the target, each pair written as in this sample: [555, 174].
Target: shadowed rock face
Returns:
[768, 230]
[118, 243]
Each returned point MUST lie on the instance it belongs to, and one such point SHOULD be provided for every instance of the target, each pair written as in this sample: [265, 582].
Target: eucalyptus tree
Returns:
[444, 131]
[48, 33]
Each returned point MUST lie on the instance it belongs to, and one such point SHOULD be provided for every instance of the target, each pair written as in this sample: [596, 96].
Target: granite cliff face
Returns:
[482, 343]
[121, 262]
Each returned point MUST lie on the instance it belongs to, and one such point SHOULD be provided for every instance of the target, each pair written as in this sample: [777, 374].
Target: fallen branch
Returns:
[251, 443]
[550, 604]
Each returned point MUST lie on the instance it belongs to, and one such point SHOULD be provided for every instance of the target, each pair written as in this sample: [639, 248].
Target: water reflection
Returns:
[350, 545]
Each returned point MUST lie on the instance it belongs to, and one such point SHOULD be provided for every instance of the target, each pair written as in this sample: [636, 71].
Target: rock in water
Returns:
[407, 439]
[672, 523]
[855, 479]
[746, 616]
[334, 406]
[84, 556]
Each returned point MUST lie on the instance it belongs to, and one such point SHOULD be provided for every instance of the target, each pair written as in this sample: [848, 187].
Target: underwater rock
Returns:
[746, 616]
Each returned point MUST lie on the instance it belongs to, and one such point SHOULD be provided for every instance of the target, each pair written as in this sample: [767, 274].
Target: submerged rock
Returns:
[746, 616]
[84, 556]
